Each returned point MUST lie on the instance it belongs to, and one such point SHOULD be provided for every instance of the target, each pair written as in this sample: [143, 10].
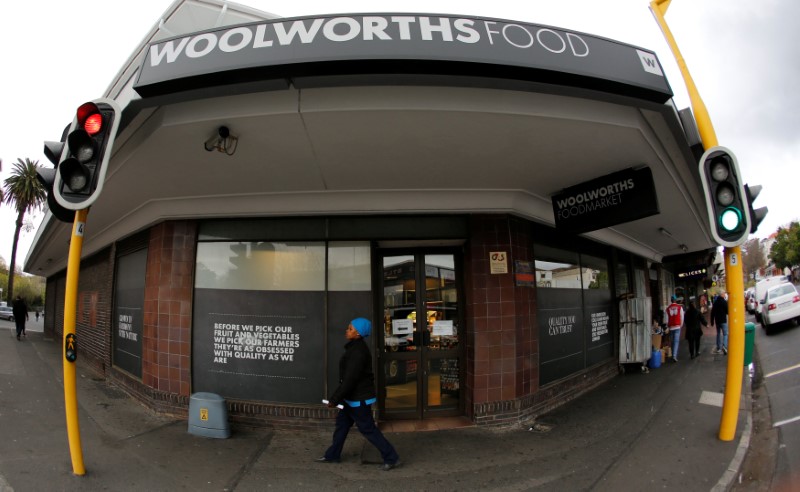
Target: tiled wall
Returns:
[167, 345]
[502, 340]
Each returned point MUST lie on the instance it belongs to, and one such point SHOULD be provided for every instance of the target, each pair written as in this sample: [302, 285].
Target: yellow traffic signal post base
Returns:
[733, 381]
[70, 348]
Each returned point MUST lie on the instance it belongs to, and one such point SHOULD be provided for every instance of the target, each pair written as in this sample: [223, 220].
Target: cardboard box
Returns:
[656, 341]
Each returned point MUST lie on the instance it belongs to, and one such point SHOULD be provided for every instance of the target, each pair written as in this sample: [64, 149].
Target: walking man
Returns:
[20, 311]
[719, 318]
[674, 315]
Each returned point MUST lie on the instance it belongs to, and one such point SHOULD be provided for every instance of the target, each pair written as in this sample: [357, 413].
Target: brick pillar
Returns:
[502, 342]
[168, 307]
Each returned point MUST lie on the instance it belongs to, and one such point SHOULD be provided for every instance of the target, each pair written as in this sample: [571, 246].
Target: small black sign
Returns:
[612, 199]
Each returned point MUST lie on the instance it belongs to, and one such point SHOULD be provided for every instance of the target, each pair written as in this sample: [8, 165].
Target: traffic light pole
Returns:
[70, 349]
[733, 255]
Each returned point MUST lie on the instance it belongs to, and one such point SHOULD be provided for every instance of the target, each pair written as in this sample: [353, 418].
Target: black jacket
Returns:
[356, 380]
[20, 309]
[693, 320]
[719, 311]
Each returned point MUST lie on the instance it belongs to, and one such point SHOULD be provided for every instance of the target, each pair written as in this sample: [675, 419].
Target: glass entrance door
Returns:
[421, 344]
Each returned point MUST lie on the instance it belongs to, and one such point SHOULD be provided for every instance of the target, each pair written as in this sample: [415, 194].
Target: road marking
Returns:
[787, 421]
[781, 371]
[711, 398]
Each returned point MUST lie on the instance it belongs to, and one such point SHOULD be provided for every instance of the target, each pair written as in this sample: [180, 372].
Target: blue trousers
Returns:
[362, 417]
[676, 340]
[722, 335]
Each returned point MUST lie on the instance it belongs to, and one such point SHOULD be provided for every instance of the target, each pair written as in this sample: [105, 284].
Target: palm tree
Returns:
[22, 190]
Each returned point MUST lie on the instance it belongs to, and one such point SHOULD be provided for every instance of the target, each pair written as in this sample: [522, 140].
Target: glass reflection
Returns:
[404, 328]
[443, 383]
[401, 384]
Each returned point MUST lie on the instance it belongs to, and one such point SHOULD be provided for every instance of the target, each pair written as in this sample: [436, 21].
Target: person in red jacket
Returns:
[674, 319]
[356, 394]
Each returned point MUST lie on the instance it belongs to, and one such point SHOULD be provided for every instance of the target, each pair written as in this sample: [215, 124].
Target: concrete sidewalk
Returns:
[637, 432]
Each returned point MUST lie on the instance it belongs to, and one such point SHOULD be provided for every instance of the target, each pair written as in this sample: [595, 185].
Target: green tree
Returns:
[3, 273]
[31, 288]
[753, 257]
[23, 191]
[786, 250]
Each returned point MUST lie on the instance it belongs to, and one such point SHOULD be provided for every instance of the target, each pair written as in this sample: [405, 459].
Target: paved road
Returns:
[637, 432]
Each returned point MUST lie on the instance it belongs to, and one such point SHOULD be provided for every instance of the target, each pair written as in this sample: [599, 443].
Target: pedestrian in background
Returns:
[674, 319]
[719, 318]
[20, 311]
[356, 394]
[693, 319]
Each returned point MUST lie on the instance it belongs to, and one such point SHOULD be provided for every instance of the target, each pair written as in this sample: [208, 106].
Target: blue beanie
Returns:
[362, 326]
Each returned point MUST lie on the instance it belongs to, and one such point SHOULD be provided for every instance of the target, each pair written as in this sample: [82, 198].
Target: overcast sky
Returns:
[743, 55]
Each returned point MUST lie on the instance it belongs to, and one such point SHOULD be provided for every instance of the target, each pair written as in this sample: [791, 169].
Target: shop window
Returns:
[349, 266]
[259, 318]
[349, 295]
[275, 266]
[574, 311]
[128, 314]
[622, 278]
[594, 272]
[640, 282]
[556, 268]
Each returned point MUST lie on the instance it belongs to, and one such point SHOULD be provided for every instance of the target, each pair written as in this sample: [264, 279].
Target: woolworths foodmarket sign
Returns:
[399, 44]
[605, 201]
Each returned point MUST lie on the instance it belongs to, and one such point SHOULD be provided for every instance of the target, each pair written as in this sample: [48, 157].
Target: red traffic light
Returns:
[90, 118]
[93, 124]
[84, 159]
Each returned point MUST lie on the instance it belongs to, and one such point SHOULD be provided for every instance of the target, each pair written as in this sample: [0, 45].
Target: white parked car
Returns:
[782, 303]
[750, 300]
[6, 313]
[761, 290]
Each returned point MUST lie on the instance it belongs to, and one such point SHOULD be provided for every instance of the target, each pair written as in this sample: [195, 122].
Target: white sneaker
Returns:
[725, 351]
[715, 351]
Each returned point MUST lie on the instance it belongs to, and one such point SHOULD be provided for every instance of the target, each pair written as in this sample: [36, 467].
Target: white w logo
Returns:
[649, 62]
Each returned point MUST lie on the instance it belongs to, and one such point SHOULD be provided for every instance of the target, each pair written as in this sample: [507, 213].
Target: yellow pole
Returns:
[701, 116]
[70, 306]
[733, 256]
[733, 382]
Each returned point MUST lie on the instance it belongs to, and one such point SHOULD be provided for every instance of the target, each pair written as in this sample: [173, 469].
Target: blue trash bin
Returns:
[208, 416]
[655, 359]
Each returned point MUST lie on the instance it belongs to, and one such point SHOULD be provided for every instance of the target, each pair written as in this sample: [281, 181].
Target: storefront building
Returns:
[485, 191]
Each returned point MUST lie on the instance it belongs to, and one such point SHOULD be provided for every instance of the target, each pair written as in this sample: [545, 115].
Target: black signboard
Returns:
[597, 316]
[259, 345]
[128, 318]
[612, 199]
[399, 43]
[574, 330]
[561, 333]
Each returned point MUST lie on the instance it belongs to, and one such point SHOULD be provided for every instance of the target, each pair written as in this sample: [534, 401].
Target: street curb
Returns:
[727, 479]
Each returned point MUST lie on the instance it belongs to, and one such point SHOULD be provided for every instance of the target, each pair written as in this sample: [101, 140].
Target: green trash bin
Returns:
[749, 342]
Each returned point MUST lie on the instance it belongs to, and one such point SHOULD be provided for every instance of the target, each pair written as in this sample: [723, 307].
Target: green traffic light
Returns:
[731, 219]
